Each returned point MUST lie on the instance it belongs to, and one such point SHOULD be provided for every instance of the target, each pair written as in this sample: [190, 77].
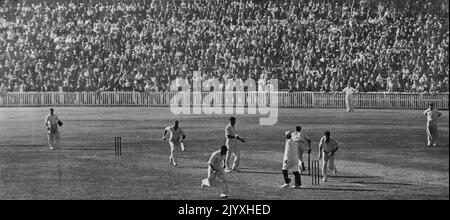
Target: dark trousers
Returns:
[297, 177]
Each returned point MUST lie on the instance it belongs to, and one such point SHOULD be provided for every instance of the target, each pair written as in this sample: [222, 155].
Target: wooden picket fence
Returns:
[244, 99]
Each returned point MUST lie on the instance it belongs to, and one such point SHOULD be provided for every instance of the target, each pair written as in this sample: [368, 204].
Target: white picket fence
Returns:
[244, 99]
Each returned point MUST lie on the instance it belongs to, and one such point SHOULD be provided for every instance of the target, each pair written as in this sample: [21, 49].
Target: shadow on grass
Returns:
[384, 183]
[85, 149]
[442, 146]
[194, 167]
[23, 146]
[340, 189]
[234, 199]
[261, 172]
[351, 177]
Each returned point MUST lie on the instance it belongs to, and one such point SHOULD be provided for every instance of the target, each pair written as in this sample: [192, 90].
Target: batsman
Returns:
[303, 144]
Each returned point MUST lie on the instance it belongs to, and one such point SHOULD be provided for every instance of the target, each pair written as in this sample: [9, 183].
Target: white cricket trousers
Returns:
[328, 163]
[220, 175]
[233, 149]
[349, 103]
[173, 145]
[432, 133]
[54, 140]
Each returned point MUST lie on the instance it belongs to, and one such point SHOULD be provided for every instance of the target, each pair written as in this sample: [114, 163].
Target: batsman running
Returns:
[215, 170]
[327, 149]
[176, 138]
[303, 144]
[231, 143]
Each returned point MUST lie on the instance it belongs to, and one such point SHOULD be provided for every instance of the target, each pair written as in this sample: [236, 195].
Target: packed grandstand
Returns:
[144, 45]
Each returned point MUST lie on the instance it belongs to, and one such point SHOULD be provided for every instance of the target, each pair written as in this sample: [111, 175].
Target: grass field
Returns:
[383, 156]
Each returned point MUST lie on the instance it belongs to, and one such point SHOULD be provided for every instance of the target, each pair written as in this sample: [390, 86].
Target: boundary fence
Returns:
[240, 99]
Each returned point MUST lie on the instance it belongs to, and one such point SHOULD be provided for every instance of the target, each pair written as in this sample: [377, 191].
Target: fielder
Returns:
[328, 147]
[176, 138]
[215, 170]
[231, 143]
[349, 102]
[290, 162]
[303, 144]
[3, 93]
[432, 125]
[51, 123]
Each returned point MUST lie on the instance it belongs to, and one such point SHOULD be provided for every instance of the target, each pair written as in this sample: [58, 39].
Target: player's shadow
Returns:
[383, 183]
[341, 189]
[442, 146]
[261, 172]
[352, 177]
[85, 149]
[23, 146]
[234, 199]
[195, 167]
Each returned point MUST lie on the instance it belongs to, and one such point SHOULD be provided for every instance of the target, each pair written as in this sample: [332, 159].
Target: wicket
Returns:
[309, 164]
[315, 172]
[118, 146]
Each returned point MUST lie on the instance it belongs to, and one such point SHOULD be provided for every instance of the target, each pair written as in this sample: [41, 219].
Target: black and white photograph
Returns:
[224, 100]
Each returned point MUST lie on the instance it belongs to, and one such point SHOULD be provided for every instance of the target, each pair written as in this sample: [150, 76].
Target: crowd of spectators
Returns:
[308, 45]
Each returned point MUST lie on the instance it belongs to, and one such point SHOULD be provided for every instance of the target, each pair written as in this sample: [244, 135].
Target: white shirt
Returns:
[229, 130]
[300, 137]
[330, 146]
[51, 120]
[175, 135]
[349, 91]
[290, 157]
[216, 160]
[3, 90]
[432, 114]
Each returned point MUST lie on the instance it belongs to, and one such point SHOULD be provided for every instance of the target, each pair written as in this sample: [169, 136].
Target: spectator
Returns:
[80, 45]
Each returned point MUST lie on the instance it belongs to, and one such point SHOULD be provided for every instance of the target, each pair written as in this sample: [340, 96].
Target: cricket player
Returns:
[290, 162]
[176, 138]
[327, 148]
[304, 145]
[349, 91]
[432, 125]
[215, 170]
[231, 143]
[3, 93]
[51, 123]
